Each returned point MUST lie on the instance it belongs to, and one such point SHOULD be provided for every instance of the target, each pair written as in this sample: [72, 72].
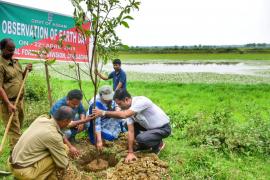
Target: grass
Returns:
[186, 98]
[193, 56]
[183, 103]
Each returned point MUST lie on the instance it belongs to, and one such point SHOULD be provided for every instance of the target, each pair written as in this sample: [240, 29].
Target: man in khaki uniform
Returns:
[11, 78]
[40, 150]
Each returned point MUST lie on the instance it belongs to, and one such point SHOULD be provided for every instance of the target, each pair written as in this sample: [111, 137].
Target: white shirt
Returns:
[148, 115]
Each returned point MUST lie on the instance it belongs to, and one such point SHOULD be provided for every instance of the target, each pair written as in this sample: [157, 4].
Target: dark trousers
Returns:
[151, 138]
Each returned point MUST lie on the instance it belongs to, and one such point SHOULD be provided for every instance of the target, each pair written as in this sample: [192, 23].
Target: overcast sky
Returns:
[186, 22]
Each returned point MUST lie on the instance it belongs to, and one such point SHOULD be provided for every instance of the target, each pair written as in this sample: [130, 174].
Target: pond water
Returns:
[250, 68]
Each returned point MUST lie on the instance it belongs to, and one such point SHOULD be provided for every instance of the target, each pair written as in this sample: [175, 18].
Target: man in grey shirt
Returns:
[146, 121]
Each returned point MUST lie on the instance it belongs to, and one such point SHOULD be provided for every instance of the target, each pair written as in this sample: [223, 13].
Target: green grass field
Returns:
[194, 56]
[220, 122]
[187, 105]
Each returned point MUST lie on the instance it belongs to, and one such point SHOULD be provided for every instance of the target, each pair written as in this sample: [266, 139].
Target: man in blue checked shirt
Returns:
[106, 128]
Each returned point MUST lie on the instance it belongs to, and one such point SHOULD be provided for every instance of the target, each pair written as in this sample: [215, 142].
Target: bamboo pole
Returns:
[12, 114]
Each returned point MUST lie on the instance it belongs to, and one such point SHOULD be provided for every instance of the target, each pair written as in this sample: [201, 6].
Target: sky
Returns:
[186, 22]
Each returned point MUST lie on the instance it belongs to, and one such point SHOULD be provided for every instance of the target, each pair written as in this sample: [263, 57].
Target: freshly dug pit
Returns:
[148, 166]
[97, 165]
[91, 162]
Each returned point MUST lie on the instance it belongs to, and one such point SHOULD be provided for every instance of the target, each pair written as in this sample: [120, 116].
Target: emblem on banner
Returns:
[50, 16]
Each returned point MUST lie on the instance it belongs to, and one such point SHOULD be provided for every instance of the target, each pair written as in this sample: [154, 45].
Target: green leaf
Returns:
[71, 66]
[128, 17]
[51, 61]
[46, 49]
[68, 46]
[60, 42]
[124, 23]
[35, 52]
[125, 46]
[87, 32]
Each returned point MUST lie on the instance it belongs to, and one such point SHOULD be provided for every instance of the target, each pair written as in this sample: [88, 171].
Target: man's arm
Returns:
[114, 114]
[122, 80]
[28, 67]
[101, 76]
[11, 107]
[55, 145]
[72, 149]
[119, 86]
[80, 126]
[99, 141]
[130, 156]
[82, 121]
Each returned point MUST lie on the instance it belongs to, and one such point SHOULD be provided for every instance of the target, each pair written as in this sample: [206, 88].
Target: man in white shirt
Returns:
[146, 122]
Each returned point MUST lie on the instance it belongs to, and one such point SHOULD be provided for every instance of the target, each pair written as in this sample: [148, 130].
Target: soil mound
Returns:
[111, 163]
[147, 166]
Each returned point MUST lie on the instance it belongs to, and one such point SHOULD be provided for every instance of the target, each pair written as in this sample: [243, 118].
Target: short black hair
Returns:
[4, 42]
[63, 113]
[121, 94]
[117, 61]
[74, 94]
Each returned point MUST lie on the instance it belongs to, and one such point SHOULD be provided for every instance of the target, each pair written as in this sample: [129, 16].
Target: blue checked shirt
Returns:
[107, 125]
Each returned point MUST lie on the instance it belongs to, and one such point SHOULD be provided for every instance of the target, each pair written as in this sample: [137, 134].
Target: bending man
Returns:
[143, 116]
[40, 150]
[106, 128]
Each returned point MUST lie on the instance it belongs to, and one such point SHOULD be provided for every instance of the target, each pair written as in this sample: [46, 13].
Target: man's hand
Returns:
[99, 146]
[29, 67]
[80, 127]
[11, 108]
[73, 151]
[71, 124]
[130, 157]
[97, 112]
[90, 117]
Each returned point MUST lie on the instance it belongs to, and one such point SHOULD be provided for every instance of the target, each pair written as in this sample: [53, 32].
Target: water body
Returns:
[256, 68]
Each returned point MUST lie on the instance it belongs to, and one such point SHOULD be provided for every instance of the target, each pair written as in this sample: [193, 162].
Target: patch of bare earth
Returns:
[110, 163]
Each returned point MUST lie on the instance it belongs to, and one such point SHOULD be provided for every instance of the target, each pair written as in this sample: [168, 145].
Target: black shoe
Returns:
[159, 148]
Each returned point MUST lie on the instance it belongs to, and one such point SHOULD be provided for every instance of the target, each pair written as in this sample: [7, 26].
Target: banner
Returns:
[32, 29]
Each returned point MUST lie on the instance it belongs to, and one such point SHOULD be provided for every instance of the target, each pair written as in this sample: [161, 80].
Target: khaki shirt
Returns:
[11, 77]
[43, 138]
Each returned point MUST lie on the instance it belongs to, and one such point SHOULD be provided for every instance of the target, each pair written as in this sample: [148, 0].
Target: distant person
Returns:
[118, 76]
[106, 128]
[146, 122]
[41, 150]
[79, 121]
[11, 78]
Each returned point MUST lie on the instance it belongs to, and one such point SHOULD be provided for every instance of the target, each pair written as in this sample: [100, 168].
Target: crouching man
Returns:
[146, 122]
[41, 150]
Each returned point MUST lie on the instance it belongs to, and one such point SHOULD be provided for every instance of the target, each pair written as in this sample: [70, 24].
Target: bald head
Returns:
[63, 113]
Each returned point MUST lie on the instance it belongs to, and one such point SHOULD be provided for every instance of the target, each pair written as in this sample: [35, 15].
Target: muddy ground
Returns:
[147, 166]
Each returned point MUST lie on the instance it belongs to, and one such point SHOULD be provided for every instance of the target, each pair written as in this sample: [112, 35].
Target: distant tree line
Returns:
[241, 49]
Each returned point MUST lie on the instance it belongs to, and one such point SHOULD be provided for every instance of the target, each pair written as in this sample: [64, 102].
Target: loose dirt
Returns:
[97, 165]
[111, 163]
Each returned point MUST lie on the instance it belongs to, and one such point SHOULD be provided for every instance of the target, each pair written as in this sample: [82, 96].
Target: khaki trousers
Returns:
[41, 170]
[16, 124]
